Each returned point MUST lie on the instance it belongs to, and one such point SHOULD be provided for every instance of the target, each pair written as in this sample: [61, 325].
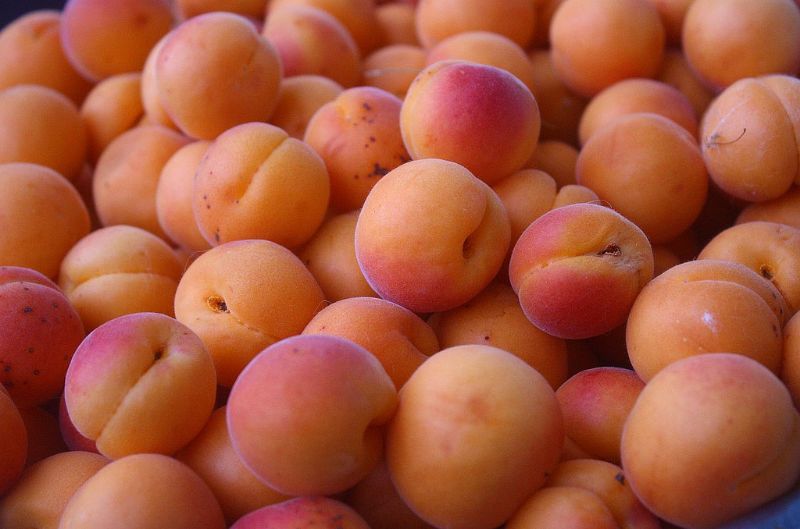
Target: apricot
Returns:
[721, 398]
[479, 116]
[256, 182]
[250, 8]
[102, 38]
[419, 248]
[112, 107]
[31, 53]
[211, 455]
[675, 71]
[215, 299]
[578, 269]
[174, 197]
[563, 506]
[299, 97]
[784, 210]
[14, 449]
[358, 137]
[72, 437]
[126, 176]
[494, 317]
[43, 490]
[154, 112]
[576, 194]
[307, 414]
[556, 158]
[595, 403]
[728, 40]
[43, 217]
[397, 337]
[44, 434]
[397, 22]
[119, 270]
[630, 96]
[330, 256]
[309, 40]
[439, 19]
[527, 195]
[705, 306]
[560, 107]
[214, 71]
[485, 47]
[627, 40]
[314, 512]
[143, 491]
[465, 414]
[393, 68]
[748, 138]
[39, 125]
[770, 249]
[650, 170]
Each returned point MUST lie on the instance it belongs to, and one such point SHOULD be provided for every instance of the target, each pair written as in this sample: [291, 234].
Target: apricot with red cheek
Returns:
[578, 269]
[143, 491]
[358, 137]
[749, 454]
[463, 415]
[479, 116]
[74, 440]
[431, 235]
[14, 449]
[314, 512]
[393, 68]
[328, 392]
[396, 336]
[299, 97]
[112, 107]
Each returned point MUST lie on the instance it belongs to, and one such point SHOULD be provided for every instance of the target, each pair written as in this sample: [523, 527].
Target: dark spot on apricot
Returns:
[612, 249]
[379, 170]
[620, 477]
[366, 106]
[30, 350]
[7, 369]
[36, 372]
[766, 272]
[27, 310]
[372, 139]
[217, 304]
[158, 354]
[486, 337]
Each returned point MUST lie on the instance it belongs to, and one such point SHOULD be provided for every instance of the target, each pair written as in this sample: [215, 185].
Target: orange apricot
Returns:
[299, 97]
[393, 68]
[112, 107]
[14, 449]
[560, 107]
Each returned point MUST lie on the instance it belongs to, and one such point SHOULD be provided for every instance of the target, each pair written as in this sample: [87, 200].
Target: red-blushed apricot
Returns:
[397, 22]
[154, 112]
[479, 116]
[112, 107]
[477, 431]
[728, 40]
[313, 512]
[309, 40]
[556, 158]
[126, 176]
[140, 383]
[119, 270]
[44, 434]
[748, 139]
[377, 501]
[43, 490]
[439, 19]
[215, 71]
[595, 404]
[526, 194]
[358, 137]
[485, 47]
[563, 506]
[560, 107]
[40, 332]
[575, 194]
[650, 170]
[784, 210]
[174, 197]
[250, 8]
[675, 71]
[102, 38]
[72, 437]
[31, 53]
[393, 68]
[257, 182]
[770, 249]
[330, 256]
[211, 455]
[14, 448]
[143, 491]
[578, 269]
[749, 453]
[393, 334]
[358, 16]
[494, 317]
[39, 125]
[307, 414]
[672, 13]
[627, 41]
[215, 299]
[607, 481]
[637, 95]
[704, 306]
[431, 235]
[43, 216]
[299, 97]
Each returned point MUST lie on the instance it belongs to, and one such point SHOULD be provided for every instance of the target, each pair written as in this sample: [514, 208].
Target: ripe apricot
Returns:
[393, 68]
[560, 107]
[112, 107]
[14, 449]
[299, 97]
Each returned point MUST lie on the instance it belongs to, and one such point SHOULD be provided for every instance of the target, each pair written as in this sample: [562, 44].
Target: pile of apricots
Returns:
[399, 264]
